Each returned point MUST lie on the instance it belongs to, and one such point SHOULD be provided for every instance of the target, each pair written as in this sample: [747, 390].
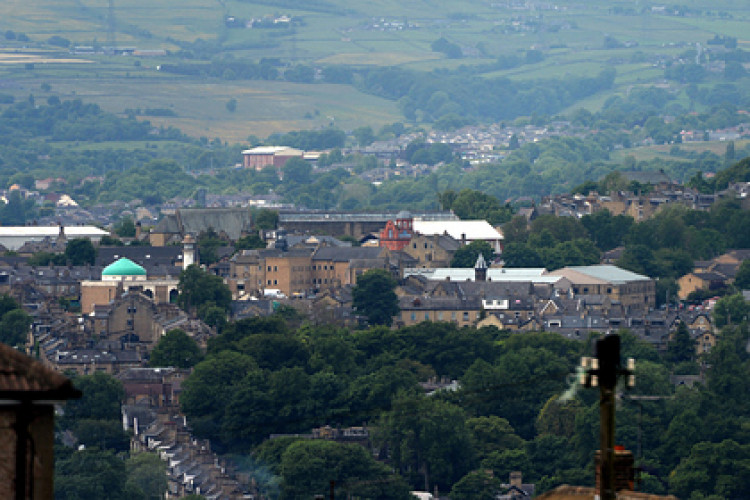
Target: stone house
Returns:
[28, 394]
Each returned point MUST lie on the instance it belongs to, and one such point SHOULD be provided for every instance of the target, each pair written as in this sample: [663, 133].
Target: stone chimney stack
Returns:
[516, 479]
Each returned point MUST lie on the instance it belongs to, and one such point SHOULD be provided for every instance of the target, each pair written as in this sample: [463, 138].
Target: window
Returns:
[269, 268]
[609, 290]
[466, 316]
[585, 290]
[440, 316]
[426, 316]
[414, 316]
[274, 282]
[275, 268]
[269, 282]
[453, 315]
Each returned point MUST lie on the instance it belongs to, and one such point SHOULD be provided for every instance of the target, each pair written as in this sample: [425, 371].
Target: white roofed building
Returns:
[464, 231]
[14, 237]
[269, 156]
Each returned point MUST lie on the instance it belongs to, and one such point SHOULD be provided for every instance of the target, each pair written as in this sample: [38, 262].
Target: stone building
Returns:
[121, 276]
[28, 394]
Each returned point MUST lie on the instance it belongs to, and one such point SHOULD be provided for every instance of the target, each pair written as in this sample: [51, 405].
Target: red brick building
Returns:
[269, 156]
[396, 235]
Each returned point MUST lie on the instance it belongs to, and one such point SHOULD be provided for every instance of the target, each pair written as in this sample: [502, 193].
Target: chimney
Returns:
[624, 471]
[516, 479]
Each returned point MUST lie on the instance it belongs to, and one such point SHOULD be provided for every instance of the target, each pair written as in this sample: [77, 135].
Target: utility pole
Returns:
[603, 371]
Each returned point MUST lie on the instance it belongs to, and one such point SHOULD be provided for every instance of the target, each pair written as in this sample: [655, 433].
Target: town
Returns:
[97, 306]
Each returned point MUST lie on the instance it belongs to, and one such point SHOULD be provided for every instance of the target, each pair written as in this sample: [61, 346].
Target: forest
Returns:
[517, 407]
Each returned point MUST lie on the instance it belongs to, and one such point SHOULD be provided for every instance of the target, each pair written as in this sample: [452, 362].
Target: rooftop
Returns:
[123, 267]
[604, 273]
[23, 378]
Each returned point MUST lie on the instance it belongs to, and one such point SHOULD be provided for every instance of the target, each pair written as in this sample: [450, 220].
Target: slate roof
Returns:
[231, 221]
[145, 256]
[346, 254]
[599, 274]
[23, 378]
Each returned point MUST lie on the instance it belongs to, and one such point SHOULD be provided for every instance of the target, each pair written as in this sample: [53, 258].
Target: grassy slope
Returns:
[335, 31]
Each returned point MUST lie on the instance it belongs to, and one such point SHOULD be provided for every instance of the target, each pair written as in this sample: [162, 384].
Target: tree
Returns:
[742, 279]
[721, 469]
[125, 228]
[105, 434]
[297, 170]
[680, 347]
[374, 296]
[428, 441]
[14, 327]
[266, 219]
[80, 252]
[493, 433]
[467, 255]
[606, 230]
[731, 309]
[502, 463]
[90, 473]
[176, 349]
[519, 254]
[17, 210]
[198, 287]
[471, 204]
[364, 135]
[308, 467]
[477, 485]
[208, 243]
[147, 476]
[249, 242]
[207, 391]
[102, 395]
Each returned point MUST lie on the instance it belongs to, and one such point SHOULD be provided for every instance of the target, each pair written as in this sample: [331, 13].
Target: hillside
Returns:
[293, 65]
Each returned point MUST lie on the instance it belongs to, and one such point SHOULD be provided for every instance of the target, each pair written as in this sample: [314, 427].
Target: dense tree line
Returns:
[100, 465]
[262, 376]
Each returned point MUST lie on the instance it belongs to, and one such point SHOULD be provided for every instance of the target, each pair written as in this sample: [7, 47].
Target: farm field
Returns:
[646, 153]
[572, 37]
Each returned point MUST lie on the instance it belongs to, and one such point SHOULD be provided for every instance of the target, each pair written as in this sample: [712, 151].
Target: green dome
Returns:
[123, 267]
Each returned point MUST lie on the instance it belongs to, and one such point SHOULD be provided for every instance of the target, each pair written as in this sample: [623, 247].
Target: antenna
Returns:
[111, 41]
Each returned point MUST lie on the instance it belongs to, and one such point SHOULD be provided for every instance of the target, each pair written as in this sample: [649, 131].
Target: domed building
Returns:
[124, 269]
[122, 276]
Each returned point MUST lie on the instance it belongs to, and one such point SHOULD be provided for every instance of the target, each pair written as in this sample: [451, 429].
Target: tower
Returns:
[188, 251]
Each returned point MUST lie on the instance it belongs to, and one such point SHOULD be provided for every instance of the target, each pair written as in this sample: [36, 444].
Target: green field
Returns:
[387, 33]
[647, 153]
